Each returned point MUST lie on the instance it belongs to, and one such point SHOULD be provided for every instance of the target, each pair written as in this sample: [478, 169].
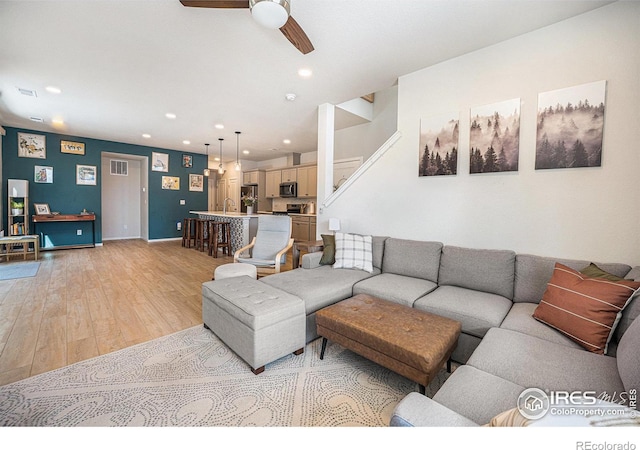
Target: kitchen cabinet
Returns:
[307, 181]
[273, 180]
[312, 229]
[251, 178]
[303, 228]
[289, 175]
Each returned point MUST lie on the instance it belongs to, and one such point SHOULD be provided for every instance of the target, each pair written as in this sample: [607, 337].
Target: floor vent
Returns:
[119, 167]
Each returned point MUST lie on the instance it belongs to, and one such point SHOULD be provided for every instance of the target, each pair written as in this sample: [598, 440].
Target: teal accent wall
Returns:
[66, 197]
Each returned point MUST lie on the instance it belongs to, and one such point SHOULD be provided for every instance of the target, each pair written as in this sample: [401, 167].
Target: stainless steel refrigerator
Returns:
[248, 191]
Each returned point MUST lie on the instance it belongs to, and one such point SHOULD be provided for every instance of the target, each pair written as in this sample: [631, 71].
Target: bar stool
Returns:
[201, 233]
[219, 237]
[188, 232]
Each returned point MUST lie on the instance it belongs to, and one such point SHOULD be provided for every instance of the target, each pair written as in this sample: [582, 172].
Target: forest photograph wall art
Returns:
[570, 127]
[438, 153]
[494, 137]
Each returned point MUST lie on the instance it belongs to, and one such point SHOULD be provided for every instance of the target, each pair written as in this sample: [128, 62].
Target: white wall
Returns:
[363, 140]
[590, 213]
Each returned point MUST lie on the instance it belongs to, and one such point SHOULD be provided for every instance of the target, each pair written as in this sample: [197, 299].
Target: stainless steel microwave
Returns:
[289, 189]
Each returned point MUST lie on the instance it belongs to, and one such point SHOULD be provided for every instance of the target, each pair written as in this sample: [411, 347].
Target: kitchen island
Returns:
[243, 226]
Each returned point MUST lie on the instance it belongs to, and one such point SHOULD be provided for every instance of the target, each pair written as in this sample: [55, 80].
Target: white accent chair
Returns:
[268, 250]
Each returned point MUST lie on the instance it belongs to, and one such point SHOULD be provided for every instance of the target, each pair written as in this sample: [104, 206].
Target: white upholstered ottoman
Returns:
[258, 322]
[235, 270]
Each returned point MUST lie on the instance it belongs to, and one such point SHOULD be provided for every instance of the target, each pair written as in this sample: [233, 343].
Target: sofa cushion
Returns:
[477, 395]
[318, 287]
[416, 410]
[481, 270]
[328, 250]
[378, 245]
[353, 251]
[477, 311]
[632, 311]
[629, 358]
[533, 362]
[520, 318]
[396, 288]
[417, 259]
[534, 272]
[586, 309]
[593, 271]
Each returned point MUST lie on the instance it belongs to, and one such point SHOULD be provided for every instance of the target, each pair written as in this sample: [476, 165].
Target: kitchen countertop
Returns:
[222, 214]
[291, 214]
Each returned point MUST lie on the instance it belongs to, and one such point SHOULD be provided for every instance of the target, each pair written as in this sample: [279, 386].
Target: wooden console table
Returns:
[48, 218]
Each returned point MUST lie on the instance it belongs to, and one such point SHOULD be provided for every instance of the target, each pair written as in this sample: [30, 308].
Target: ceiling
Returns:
[123, 64]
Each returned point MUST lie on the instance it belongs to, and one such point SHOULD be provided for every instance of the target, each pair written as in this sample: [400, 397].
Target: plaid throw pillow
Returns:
[353, 251]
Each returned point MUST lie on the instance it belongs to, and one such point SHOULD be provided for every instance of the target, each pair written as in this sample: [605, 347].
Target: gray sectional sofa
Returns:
[502, 349]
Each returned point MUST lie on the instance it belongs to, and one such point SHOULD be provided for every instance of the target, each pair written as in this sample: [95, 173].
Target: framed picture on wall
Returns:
[159, 162]
[187, 161]
[171, 183]
[43, 174]
[31, 146]
[75, 148]
[196, 182]
[42, 208]
[570, 127]
[86, 175]
[494, 137]
[438, 152]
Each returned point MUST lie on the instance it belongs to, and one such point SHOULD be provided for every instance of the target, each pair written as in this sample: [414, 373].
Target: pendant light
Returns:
[220, 169]
[207, 172]
[238, 167]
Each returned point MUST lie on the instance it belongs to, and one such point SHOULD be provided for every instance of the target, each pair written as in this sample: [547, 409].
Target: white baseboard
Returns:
[164, 240]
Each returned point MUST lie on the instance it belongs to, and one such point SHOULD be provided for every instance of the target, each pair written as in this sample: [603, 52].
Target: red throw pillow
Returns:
[586, 309]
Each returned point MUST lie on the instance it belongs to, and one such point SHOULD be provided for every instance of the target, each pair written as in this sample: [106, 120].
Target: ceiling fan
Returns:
[269, 13]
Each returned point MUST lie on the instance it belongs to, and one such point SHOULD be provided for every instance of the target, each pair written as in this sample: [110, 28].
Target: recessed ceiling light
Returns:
[170, 115]
[305, 73]
[185, 142]
[216, 159]
[58, 121]
[219, 126]
[246, 152]
[286, 141]
[146, 136]
[53, 90]
[291, 97]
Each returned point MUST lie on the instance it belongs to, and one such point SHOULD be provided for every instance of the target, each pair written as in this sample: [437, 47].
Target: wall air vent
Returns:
[36, 119]
[119, 167]
[28, 92]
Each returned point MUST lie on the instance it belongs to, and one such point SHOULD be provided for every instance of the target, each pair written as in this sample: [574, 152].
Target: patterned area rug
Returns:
[191, 378]
[10, 271]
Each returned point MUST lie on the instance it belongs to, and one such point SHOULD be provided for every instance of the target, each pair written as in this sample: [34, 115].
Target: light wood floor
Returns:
[88, 302]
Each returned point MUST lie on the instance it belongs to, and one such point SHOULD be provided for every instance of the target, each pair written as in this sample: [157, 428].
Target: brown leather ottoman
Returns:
[412, 343]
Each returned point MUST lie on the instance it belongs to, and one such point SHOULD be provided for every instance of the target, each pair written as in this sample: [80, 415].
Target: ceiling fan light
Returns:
[270, 13]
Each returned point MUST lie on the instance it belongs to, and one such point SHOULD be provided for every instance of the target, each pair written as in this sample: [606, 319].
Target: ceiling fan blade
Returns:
[216, 3]
[297, 36]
